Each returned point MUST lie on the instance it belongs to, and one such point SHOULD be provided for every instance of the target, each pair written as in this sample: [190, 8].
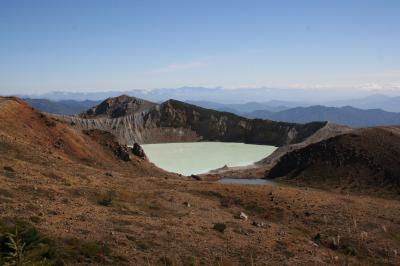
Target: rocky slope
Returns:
[364, 160]
[175, 121]
[117, 107]
[328, 131]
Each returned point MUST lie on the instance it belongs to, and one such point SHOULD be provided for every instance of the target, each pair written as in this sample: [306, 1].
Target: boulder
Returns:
[196, 177]
[122, 153]
[258, 224]
[242, 216]
[138, 151]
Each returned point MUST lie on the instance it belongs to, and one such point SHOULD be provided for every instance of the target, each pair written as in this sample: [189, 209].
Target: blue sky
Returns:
[113, 45]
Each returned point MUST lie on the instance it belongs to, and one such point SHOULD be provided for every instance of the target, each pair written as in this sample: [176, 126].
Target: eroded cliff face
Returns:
[175, 121]
[222, 126]
[137, 128]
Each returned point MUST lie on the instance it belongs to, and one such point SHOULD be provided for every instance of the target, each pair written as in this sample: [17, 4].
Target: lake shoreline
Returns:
[204, 158]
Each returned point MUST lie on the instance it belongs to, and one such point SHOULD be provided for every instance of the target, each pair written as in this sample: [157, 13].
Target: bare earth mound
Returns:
[365, 161]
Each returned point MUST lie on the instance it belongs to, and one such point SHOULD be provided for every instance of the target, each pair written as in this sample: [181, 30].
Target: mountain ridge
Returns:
[175, 121]
[272, 110]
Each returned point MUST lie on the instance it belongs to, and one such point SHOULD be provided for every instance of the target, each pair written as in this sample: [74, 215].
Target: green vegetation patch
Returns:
[81, 251]
[21, 244]
[5, 147]
[220, 227]
[107, 198]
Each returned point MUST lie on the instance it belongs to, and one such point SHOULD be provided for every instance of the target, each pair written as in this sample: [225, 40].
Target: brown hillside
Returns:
[365, 161]
[28, 134]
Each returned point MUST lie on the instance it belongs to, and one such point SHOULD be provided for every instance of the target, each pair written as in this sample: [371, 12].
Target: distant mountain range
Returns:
[342, 115]
[242, 109]
[272, 110]
[301, 113]
[64, 107]
[246, 97]
[376, 101]
[220, 95]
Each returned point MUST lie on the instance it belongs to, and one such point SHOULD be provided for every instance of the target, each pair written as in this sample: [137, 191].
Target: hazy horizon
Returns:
[222, 95]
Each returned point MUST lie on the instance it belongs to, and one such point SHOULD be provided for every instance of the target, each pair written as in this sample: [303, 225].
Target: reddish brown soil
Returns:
[74, 190]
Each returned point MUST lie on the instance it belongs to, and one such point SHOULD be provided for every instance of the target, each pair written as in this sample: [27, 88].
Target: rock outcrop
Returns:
[117, 107]
[108, 140]
[138, 151]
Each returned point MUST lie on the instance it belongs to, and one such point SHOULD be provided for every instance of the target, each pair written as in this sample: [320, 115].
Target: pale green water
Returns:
[201, 157]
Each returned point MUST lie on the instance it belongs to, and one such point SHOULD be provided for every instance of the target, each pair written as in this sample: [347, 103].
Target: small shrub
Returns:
[107, 200]
[9, 174]
[143, 245]
[21, 244]
[16, 250]
[220, 227]
[92, 249]
[189, 261]
[90, 161]
[227, 202]
[53, 175]
[50, 123]
[4, 147]
[9, 168]
[130, 238]
[349, 250]
[35, 219]
[165, 261]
